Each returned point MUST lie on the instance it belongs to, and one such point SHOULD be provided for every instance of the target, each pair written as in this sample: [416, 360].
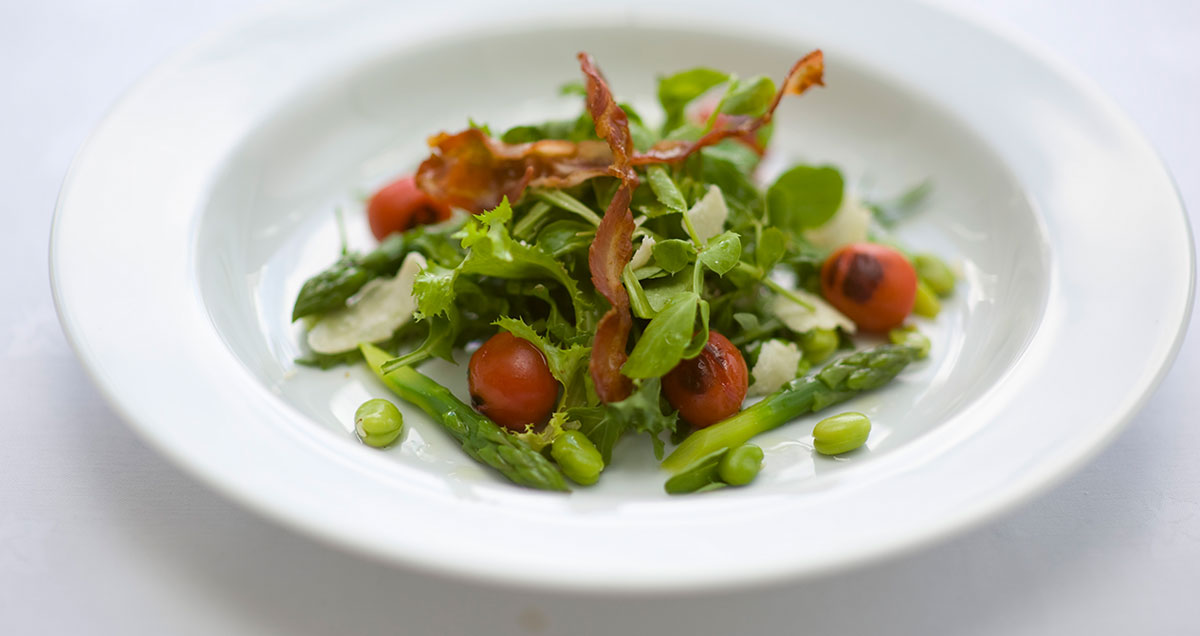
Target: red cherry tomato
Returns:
[874, 285]
[400, 206]
[711, 386]
[510, 382]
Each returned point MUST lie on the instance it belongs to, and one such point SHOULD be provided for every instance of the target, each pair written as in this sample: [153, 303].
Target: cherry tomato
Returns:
[874, 285]
[711, 386]
[510, 382]
[400, 206]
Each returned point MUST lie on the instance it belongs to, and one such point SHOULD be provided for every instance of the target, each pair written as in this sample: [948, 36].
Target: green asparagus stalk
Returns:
[330, 289]
[481, 438]
[835, 383]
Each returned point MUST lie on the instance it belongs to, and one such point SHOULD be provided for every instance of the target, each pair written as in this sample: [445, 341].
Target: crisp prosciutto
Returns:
[471, 170]
[474, 171]
[613, 246]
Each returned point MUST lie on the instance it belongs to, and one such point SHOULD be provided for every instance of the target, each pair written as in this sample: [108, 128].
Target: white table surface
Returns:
[100, 535]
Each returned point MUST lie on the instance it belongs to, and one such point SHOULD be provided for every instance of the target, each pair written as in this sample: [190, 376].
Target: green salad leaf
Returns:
[805, 197]
[434, 289]
[665, 339]
[564, 201]
[440, 340]
[577, 129]
[674, 255]
[722, 252]
[531, 222]
[730, 170]
[641, 412]
[770, 247]
[659, 292]
[665, 189]
[491, 251]
[639, 304]
[744, 161]
[540, 438]
[749, 97]
[553, 322]
[565, 236]
[676, 91]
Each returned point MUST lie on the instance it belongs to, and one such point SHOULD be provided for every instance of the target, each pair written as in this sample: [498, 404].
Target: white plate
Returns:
[192, 216]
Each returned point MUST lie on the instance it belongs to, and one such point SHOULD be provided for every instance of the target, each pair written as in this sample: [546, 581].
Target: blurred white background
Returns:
[100, 535]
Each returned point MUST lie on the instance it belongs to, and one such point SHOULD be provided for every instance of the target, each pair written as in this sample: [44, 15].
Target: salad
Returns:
[616, 277]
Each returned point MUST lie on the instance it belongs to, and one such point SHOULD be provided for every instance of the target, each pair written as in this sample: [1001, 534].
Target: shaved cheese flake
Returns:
[849, 224]
[380, 308]
[642, 256]
[799, 318]
[709, 214]
[776, 366]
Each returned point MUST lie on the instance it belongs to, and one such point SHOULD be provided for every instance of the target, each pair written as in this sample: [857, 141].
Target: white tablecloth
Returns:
[99, 535]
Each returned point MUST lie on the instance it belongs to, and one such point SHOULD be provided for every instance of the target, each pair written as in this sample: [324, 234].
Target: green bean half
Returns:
[740, 465]
[818, 344]
[736, 466]
[926, 303]
[577, 457]
[936, 273]
[841, 433]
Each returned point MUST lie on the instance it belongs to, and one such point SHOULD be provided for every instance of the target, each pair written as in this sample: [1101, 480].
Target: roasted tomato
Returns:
[711, 386]
[874, 285]
[510, 382]
[400, 206]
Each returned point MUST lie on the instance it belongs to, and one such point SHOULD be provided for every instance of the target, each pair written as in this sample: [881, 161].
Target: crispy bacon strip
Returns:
[609, 253]
[612, 125]
[613, 246]
[805, 74]
[473, 171]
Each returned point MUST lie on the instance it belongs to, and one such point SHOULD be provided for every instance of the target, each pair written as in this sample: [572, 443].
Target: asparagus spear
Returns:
[331, 288]
[481, 438]
[835, 383]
